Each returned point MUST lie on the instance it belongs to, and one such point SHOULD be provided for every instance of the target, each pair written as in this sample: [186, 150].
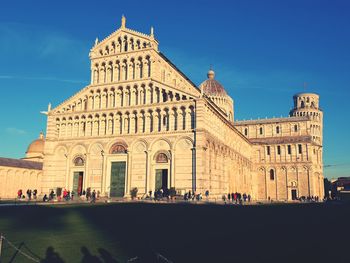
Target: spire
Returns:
[123, 21]
[152, 31]
[41, 135]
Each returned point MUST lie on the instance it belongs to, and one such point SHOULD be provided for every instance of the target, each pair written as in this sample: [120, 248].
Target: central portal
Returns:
[78, 178]
[161, 179]
[117, 186]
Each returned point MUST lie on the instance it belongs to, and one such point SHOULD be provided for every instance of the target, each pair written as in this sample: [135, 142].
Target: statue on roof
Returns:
[123, 22]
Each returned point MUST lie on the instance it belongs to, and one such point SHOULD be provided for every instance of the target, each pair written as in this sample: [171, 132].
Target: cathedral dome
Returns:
[212, 87]
[37, 146]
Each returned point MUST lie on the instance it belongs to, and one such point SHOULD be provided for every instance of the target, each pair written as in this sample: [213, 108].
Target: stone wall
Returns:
[12, 179]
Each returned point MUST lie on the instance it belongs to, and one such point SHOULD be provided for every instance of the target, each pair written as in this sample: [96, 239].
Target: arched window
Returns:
[295, 128]
[278, 129]
[118, 148]
[261, 130]
[162, 158]
[272, 174]
[246, 131]
[302, 105]
[79, 161]
[125, 43]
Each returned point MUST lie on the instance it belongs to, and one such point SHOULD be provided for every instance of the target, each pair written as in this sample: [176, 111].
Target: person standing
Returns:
[19, 194]
[93, 197]
[224, 198]
[207, 195]
[65, 194]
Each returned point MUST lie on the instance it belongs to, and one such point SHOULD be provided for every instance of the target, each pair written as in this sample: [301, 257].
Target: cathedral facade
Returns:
[143, 124]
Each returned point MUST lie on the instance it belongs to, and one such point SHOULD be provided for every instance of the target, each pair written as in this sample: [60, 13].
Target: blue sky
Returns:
[262, 52]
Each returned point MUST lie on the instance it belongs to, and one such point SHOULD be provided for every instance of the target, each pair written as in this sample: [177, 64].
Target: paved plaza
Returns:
[179, 232]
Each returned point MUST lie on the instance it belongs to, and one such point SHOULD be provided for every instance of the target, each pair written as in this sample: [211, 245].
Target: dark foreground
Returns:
[179, 232]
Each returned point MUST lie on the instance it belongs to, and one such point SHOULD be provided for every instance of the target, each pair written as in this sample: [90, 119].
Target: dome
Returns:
[37, 146]
[211, 87]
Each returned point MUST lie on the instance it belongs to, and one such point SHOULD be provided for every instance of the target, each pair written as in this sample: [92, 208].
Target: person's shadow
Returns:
[87, 257]
[52, 256]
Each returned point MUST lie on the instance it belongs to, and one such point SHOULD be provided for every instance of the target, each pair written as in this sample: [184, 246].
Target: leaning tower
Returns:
[307, 104]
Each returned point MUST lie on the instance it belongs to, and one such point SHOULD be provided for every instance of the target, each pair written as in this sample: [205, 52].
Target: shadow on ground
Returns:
[198, 233]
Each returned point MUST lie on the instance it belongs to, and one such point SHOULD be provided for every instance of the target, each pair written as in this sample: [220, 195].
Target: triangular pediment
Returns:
[116, 42]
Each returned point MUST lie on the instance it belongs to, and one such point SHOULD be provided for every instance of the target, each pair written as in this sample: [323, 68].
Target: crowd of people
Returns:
[309, 199]
[168, 194]
[60, 195]
[30, 194]
[158, 195]
[236, 198]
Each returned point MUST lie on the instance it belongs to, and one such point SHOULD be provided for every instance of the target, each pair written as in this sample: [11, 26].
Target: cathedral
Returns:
[142, 123]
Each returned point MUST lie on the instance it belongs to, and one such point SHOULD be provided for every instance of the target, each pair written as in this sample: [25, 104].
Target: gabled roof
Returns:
[178, 70]
[18, 163]
[124, 30]
[272, 120]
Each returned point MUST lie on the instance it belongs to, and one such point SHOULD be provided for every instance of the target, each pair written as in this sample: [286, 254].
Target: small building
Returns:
[341, 188]
[26, 173]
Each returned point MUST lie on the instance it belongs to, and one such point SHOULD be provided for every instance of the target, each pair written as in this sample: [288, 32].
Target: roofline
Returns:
[179, 71]
[271, 120]
[27, 164]
[220, 113]
[302, 93]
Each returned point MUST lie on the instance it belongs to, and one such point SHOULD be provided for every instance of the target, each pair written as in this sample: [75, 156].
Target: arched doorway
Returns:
[293, 190]
[118, 169]
[78, 175]
[162, 178]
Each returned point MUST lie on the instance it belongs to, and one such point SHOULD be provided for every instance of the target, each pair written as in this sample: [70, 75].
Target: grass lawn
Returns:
[179, 232]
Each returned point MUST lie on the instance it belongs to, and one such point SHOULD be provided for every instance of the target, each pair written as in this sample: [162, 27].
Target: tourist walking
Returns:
[93, 197]
[244, 197]
[29, 194]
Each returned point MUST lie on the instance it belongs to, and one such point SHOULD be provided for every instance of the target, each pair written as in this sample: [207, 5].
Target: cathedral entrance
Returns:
[161, 179]
[78, 179]
[117, 183]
